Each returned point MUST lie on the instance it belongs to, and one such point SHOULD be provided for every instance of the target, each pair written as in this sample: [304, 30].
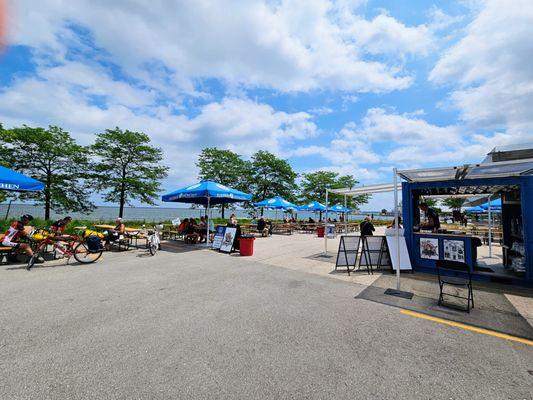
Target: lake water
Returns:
[156, 214]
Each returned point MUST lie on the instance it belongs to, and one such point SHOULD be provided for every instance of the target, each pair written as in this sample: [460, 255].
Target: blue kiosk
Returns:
[503, 176]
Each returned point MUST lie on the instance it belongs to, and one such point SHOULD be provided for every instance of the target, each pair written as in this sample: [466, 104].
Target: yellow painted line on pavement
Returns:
[467, 327]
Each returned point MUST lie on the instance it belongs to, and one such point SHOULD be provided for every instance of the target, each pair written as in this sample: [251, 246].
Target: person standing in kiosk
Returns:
[432, 218]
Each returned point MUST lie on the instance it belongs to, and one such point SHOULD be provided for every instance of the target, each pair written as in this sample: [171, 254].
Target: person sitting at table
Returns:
[191, 234]
[201, 229]
[311, 220]
[432, 218]
[182, 227]
[115, 234]
[262, 227]
[366, 227]
[13, 235]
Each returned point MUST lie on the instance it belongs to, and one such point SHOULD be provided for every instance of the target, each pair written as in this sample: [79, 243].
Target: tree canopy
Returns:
[128, 167]
[314, 185]
[53, 157]
[269, 176]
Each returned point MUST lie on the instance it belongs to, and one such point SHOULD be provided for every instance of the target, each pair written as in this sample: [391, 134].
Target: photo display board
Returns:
[219, 236]
[227, 241]
[348, 252]
[429, 248]
[454, 250]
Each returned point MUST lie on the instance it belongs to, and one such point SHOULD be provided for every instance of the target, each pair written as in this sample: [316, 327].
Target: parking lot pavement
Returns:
[204, 325]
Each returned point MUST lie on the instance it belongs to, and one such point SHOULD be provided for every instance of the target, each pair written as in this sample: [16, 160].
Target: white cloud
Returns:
[290, 45]
[491, 71]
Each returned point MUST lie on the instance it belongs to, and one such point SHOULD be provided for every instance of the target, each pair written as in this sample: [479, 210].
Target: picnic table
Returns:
[131, 234]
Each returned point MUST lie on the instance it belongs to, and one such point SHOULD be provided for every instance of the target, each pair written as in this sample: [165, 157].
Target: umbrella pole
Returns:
[207, 227]
[344, 216]
[490, 230]
[326, 226]
[8, 208]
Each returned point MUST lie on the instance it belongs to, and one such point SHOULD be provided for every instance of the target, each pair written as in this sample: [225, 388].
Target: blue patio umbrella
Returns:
[474, 210]
[15, 181]
[494, 205]
[206, 193]
[312, 206]
[276, 203]
[338, 208]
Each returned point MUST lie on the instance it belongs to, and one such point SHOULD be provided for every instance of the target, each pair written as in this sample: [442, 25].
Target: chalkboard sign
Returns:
[348, 252]
[219, 236]
[228, 239]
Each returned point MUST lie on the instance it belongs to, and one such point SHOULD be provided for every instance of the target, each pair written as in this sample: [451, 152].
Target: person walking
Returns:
[367, 227]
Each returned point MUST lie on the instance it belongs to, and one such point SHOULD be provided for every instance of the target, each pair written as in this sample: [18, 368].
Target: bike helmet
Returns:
[27, 217]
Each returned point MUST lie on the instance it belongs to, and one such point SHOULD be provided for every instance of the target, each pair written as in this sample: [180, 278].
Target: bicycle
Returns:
[153, 239]
[85, 250]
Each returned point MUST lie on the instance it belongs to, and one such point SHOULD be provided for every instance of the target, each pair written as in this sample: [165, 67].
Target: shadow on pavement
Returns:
[511, 323]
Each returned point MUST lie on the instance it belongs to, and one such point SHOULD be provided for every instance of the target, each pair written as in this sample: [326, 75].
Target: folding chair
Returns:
[445, 269]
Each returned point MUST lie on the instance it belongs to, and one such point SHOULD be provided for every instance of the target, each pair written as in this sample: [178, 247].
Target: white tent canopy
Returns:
[372, 189]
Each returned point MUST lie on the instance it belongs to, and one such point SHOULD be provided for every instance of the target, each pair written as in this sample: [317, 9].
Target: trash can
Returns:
[320, 231]
[246, 245]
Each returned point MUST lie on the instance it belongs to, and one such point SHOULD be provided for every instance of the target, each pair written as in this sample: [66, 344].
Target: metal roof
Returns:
[475, 171]
[370, 189]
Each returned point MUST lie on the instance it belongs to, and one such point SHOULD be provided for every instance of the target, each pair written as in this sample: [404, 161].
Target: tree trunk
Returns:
[121, 206]
[122, 193]
[47, 197]
[223, 208]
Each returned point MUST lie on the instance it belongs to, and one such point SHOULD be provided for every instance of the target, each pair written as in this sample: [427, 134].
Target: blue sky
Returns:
[352, 86]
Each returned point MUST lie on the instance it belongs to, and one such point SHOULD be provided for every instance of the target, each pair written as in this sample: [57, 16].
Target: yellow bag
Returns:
[40, 234]
[89, 232]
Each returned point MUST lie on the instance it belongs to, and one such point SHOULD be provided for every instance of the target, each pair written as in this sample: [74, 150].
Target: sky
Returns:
[352, 86]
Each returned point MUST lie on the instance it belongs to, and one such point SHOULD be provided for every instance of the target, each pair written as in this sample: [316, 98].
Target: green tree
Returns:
[269, 176]
[128, 167]
[314, 184]
[53, 157]
[222, 166]
[455, 203]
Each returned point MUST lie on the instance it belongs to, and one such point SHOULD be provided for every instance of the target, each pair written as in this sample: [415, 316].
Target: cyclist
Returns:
[15, 232]
[59, 226]
[58, 229]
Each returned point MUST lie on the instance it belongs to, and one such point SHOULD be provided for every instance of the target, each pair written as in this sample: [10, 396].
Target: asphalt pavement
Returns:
[202, 325]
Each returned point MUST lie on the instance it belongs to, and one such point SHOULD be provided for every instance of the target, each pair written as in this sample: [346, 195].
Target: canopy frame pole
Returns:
[345, 214]
[490, 229]
[396, 227]
[8, 208]
[326, 226]
[207, 227]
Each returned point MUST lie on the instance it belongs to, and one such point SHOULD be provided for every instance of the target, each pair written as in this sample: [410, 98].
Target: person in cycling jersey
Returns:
[59, 226]
[15, 232]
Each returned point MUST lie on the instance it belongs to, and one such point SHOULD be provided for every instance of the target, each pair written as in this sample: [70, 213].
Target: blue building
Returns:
[506, 174]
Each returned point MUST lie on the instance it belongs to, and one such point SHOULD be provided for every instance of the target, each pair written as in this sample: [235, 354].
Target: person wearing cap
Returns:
[15, 232]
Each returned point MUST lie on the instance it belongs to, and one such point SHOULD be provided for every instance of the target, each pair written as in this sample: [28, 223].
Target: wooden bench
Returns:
[282, 229]
[5, 252]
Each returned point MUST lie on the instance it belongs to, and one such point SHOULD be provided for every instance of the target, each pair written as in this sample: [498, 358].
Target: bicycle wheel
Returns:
[83, 255]
[31, 261]
[152, 247]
